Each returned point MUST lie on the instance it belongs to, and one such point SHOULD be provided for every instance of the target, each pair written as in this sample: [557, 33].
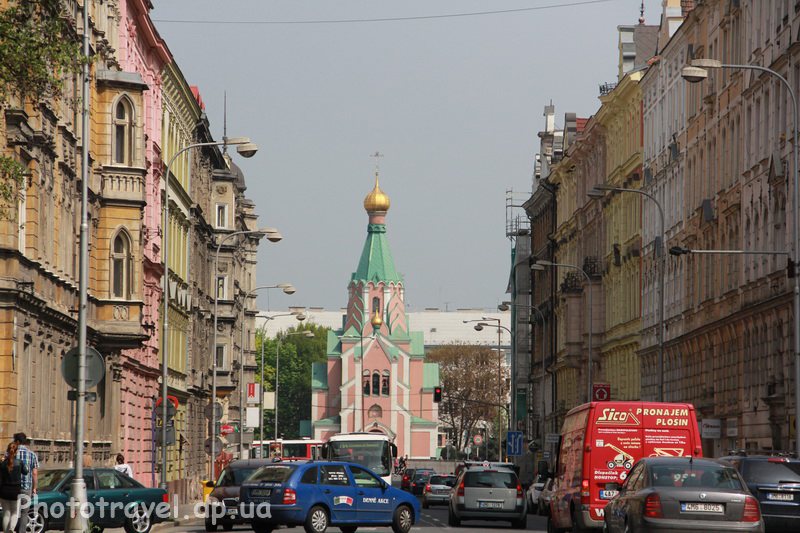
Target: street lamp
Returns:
[484, 321]
[505, 307]
[697, 73]
[543, 263]
[308, 334]
[273, 236]
[288, 289]
[599, 192]
[246, 149]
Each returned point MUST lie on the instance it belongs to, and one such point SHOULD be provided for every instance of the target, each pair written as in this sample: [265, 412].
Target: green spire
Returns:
[376, 263]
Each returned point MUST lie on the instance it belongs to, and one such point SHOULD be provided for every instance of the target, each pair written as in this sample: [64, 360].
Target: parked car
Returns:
[543, 509]
[127, 503]
[487, 493]
[408, 477]
[682, 493]
[437, 490]
[533, 493]
[319, 494]
[774, 480]
[222, 505]
[420, 481]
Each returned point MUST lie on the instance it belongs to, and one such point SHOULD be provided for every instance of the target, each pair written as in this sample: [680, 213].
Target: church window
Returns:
[375, 411]
[376, 305]
[365, 379]
[376, 383]
[120, 266]
[385, 383]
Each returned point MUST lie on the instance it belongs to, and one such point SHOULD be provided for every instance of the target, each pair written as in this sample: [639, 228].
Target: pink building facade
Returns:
[376, 378]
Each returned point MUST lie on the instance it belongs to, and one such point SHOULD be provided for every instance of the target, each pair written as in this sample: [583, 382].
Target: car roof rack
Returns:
[772, 453]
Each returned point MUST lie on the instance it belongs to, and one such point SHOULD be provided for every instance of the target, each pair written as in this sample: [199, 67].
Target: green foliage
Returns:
[12, 178]
[298, 352]
[36, 50]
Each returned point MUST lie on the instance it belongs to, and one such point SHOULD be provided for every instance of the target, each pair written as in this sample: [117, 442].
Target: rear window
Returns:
[422, 476]
[487, 479]
[706, 477]
[233, 477]
[272, 474]
[442, 480]
[770, 472]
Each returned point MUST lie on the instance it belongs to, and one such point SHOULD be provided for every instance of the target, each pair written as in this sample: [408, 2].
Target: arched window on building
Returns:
[385, 383]
[121, 266]
[123, 132]
[376, 383]
[376, 305]
[375, 411]
[365, 380]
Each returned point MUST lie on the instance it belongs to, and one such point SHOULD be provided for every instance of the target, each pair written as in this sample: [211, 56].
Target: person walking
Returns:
[122, 466]
[11, 472]
[29, 479]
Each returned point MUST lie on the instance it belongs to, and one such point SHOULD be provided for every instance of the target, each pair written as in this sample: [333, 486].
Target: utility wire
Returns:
[388, 19]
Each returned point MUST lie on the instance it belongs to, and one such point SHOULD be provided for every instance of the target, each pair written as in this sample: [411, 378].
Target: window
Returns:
[365, 479]
[385, 383]
[120, 266]
[376, 383]
[310, 476]
[366, 378]
[221, 356]
[376, 305]
[334, 475]
[222, 287]
[375, 411]
[123, 132]
[222, 215]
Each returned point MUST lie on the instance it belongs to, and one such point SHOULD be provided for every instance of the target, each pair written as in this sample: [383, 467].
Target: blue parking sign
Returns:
[514, 443]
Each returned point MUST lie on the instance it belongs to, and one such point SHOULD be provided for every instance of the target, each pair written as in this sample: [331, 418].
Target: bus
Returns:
[287, 449]
[373, 450]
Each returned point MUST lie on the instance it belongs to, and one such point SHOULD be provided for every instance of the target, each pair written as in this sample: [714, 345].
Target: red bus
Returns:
[287, 449]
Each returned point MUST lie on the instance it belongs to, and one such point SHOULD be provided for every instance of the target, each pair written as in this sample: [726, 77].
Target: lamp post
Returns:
[697, 73]
[288, 289]
[599, 192]
[246, 149]
[272, 236]
[484, 321]
[308, 334]
[543, 263]
[504, 307]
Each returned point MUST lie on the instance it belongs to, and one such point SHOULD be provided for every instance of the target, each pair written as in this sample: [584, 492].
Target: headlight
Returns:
[212, 500]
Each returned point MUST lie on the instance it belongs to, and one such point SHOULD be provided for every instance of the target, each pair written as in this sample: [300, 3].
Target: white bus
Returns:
[373, 450]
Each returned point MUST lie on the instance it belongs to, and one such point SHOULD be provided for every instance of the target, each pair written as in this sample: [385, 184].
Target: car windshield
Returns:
[491, 479]
[50, 479]
[442, 480]
[272, 474]
[771, 471]
[233, 477]
[705, 476]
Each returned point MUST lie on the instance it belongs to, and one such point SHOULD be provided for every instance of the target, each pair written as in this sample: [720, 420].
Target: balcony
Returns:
[123, 184]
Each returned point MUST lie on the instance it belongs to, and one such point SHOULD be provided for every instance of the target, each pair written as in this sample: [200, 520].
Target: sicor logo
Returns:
[611, 416]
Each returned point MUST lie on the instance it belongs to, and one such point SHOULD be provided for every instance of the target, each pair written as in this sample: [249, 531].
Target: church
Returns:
[376, 378]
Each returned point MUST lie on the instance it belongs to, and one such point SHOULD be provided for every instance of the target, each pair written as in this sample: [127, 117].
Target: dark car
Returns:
[222, 505]
[774, 479]
[408, 477]
[420, 480]
[318, 494]
[666, 494]
[116, 501]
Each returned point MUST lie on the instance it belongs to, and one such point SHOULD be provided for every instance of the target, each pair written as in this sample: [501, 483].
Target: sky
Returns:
[454, 104]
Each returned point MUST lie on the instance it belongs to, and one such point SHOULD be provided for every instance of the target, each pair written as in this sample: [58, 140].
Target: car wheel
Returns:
[452, 519]
[403, 519]
[97, 529]
[36, 521]
[425, 504]
[520, 523]
[263, 528]
[138, 520]
[551, 528]
[211, 526]
[227, 527]
[574, 518]
[628, 527]
[317, 520]
[605, 527]
[348, 529]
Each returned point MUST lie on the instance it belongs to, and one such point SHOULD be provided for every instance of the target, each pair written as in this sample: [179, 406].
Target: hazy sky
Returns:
[453, 103]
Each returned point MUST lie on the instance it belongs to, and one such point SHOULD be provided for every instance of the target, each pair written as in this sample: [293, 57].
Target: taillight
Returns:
[289, 496]
[165, 498]
[751, 511]
[585, 491]
[427, 488]
[405, 478]
[652, 506]
[519, 490]
[461, 489]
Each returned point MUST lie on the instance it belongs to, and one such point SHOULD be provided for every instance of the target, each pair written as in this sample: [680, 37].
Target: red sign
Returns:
[226, 430]
[172, 399]
[601, 391]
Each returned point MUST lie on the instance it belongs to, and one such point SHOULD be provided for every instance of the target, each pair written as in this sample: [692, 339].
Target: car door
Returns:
[617, 510]
[63, 497]
[112, 496]
[338, 492]
[372, 502]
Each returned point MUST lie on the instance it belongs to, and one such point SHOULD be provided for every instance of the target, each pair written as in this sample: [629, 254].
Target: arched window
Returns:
[376, 383]
[376, 305]
[121, 266]
[123, 132]
[375, 411]
[385, 383]
[365, 380]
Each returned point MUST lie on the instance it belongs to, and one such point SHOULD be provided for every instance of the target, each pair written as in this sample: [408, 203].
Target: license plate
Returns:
[608, 494]
[703, 507]
[261, 492]
[442, 491]
[231, 512]
[490, 505]
[779, 497]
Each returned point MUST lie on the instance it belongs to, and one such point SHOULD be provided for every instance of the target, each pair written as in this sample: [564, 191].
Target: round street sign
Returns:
[95, 367]
[478, 440]
[225, 430]
[217, 446]
[217, 411]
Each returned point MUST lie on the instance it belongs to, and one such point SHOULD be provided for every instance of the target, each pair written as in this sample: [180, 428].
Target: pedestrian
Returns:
[26, 457]
[122, 466]
[11, 473]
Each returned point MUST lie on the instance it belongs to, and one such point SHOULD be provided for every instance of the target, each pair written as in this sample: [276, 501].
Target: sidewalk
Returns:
[182, 514]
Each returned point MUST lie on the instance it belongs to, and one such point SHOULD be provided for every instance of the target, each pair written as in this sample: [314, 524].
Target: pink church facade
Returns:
[376, 378]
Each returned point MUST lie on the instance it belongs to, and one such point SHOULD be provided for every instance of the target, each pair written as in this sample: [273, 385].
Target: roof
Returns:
[376, 263]
[319, 376]
[334, 420]
[415, 420]
[646, 39]
[582, 124]
[430, 375]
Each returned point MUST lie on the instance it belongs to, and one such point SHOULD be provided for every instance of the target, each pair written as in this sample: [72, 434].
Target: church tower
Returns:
[376, 378]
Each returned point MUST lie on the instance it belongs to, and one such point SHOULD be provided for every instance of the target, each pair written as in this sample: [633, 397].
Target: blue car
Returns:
[318, 494]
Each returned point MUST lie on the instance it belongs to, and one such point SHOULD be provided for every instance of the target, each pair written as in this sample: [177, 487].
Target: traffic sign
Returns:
[514, 443]
[468, 450]
[217, 446]
[217, 411]
[478, 440]
[172, 407]
[552, 438]
[170, 435]
[601, 391]
[95, 367]
[225, 430]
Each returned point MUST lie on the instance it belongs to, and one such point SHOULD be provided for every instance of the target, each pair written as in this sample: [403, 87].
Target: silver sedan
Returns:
[666, 494]
[437, 490]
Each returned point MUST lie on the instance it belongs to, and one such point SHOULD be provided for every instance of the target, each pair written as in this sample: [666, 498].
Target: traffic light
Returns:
[437, 394]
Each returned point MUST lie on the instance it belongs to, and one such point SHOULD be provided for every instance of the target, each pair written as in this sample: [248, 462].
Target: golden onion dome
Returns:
[376, 201]
[377, 321]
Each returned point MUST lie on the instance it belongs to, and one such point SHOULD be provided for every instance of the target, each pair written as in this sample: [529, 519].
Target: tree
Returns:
[471, 386]
[298, 352]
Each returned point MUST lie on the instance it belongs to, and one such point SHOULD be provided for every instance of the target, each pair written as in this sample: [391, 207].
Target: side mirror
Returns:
[384, 485]
[210, 484]
[612, 486]
[325, 451]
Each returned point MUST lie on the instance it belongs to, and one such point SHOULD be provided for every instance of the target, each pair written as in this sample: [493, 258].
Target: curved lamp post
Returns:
[309, 334]
[246, 149]
[598, 192]
[288, 289]
[697, 73]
